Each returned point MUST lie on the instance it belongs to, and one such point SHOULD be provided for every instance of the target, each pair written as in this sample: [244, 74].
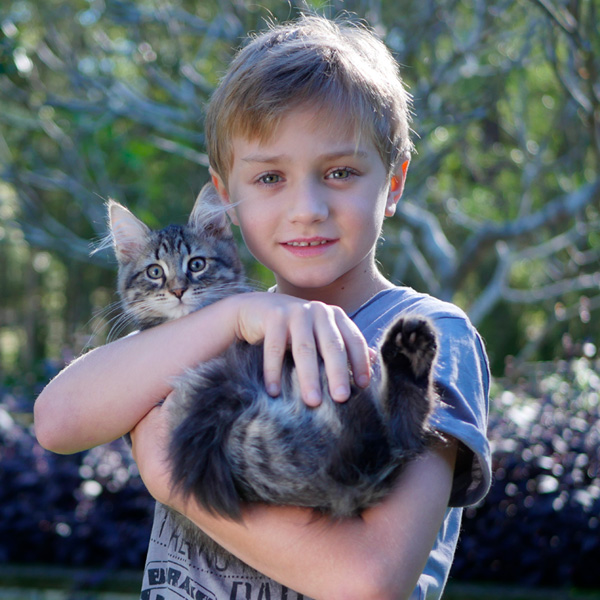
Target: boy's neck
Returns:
[347, 296]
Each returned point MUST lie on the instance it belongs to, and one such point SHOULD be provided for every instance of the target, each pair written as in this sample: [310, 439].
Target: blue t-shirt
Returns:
[174, 570]
[462, 377]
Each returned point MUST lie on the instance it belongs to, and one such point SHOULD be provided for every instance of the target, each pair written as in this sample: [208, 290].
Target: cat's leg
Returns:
[408, 354]
[410, 344]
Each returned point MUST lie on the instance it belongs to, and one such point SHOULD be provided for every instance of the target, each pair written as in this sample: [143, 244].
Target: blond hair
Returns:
[336, 67]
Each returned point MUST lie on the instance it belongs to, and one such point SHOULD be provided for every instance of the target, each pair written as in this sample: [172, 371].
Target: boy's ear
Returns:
[224, 195]
[396, 188]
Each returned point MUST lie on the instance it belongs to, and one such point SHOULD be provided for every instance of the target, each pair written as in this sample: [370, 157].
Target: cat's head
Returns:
[168, 273]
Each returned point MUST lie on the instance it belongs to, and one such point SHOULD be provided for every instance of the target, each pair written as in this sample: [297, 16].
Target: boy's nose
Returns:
[308, 204]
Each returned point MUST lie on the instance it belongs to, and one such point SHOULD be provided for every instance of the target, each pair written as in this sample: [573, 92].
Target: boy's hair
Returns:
[340, 67]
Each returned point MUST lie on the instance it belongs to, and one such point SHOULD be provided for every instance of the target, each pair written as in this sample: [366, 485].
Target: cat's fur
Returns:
[233, 443]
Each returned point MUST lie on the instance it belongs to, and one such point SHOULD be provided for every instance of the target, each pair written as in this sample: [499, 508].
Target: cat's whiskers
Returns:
[120, 325]
[138, 311]
[255, 284]
[124, 321]
[164, 305]
[111, 315]
[97, 322]
[226, 288]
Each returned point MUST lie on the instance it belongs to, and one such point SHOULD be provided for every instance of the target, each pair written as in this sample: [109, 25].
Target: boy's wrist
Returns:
[245, 313]
[234, 307]
[226, 312]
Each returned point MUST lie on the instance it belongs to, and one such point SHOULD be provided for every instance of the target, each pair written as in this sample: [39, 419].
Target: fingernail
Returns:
[313, 398]
[273, 389]
[341, 392]
[362, 381]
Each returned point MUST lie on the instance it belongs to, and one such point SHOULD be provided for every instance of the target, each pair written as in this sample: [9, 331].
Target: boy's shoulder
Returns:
[456, 333]
[391, 302]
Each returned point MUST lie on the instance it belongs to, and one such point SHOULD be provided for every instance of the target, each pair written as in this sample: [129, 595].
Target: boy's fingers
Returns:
[275, 345]
[333, 351]
[357, 350]
[344, 345]
[291, 329]
[313, 329]
[304, 350]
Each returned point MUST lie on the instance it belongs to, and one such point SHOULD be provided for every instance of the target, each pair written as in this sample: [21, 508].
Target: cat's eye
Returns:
[155, 271]
[197, 264]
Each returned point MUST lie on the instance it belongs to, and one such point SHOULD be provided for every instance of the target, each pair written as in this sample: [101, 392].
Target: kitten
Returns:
[231, 442]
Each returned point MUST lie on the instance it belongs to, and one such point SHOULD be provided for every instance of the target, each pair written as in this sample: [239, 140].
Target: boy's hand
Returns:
[309, 329]
[149, 443]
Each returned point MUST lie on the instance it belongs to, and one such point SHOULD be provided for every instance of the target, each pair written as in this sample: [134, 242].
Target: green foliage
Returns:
[106, 99]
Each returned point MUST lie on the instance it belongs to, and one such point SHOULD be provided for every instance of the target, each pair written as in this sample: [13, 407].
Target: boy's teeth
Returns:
[307, 243]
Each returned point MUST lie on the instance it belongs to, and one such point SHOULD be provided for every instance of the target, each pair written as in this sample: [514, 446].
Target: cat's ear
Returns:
[129, 234]
[209, 214]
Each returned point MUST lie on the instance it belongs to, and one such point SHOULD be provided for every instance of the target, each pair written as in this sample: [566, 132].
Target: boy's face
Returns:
[310, 203]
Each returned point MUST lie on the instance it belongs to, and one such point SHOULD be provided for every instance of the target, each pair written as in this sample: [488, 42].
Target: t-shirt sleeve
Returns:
[462, 379]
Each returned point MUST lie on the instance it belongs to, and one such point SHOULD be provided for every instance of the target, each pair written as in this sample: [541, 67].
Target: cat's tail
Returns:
[200, 463]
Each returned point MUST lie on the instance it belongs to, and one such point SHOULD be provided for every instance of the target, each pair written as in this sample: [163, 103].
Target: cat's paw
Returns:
[414, 339]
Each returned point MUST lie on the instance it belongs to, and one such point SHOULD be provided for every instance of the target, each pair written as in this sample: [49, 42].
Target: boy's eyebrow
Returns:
[346, 152]
[276, 158]
[262, 158]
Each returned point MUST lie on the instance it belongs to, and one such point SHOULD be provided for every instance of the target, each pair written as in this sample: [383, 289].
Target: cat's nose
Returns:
[178, 292]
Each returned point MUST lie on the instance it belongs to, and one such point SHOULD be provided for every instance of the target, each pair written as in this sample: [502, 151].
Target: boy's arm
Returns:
[104, 393]
[378, 555]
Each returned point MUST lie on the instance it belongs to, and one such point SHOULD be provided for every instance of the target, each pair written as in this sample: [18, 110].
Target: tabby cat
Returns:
[231, 442]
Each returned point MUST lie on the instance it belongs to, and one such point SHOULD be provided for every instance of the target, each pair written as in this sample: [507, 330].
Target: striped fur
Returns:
[231, 442]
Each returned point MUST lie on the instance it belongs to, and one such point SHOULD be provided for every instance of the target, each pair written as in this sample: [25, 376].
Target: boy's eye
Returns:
[197, 264]
[155, 271]
[340, 174]
[269, 178]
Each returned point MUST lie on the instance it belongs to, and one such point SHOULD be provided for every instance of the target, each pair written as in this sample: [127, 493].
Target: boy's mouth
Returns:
[308, 246]
[301, 244]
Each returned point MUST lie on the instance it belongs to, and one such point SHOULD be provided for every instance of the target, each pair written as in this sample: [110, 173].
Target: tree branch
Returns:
[555, 212]
[435, 241]
[552, 291]
[493, 291]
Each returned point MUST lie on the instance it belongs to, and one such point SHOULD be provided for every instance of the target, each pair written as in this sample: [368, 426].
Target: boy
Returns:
[309, 147]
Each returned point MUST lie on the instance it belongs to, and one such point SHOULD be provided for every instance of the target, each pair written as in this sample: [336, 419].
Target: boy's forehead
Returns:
[341, 129]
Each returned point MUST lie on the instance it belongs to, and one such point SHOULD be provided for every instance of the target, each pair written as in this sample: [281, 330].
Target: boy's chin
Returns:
[309, 284]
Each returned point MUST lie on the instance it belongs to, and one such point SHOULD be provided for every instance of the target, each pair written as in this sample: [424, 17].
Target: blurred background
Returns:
[106, 98]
